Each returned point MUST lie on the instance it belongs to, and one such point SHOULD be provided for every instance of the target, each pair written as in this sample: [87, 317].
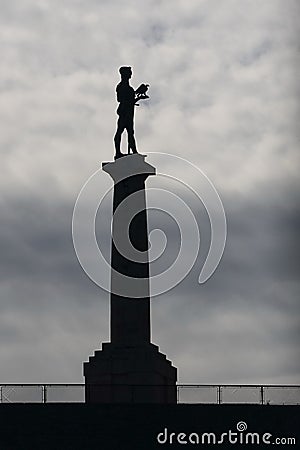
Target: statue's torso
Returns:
[126, 98]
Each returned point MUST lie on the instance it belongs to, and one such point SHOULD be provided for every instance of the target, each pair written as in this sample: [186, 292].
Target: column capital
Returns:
[128, 166]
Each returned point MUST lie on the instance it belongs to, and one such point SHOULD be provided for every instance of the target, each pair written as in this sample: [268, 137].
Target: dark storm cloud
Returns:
[242, 307]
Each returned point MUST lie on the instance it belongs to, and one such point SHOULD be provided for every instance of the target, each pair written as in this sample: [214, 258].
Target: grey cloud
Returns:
[224, 94]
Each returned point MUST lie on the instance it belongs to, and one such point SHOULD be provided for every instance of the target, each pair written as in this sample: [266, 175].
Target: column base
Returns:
[139, 374]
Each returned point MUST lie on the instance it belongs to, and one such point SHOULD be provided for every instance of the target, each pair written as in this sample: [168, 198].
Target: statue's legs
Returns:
[122, 125]
[117, 138]
[131, 139]
[131, 143]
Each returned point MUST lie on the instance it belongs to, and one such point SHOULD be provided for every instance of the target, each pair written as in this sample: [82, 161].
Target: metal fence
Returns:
[186, 393]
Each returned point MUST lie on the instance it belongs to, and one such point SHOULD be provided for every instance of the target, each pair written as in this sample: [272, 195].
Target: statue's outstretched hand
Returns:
[141, 96]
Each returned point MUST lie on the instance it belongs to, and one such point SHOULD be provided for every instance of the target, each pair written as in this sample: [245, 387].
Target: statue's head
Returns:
[125, 72]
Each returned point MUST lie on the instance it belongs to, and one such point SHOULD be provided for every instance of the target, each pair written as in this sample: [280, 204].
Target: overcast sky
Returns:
[225, 95]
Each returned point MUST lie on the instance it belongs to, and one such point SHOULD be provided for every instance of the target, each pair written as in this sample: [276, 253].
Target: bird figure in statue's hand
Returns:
[140, 93]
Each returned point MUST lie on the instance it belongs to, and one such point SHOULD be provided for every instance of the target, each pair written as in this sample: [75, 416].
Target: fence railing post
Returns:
[219, 395]
[262, 396]
[44, 393]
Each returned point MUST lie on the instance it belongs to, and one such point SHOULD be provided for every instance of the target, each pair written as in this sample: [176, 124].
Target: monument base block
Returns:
[139, 374]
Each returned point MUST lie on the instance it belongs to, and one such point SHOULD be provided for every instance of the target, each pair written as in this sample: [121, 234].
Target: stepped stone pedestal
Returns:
[129, 369]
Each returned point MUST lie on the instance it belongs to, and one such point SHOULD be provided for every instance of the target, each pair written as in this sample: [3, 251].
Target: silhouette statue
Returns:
[128, 98]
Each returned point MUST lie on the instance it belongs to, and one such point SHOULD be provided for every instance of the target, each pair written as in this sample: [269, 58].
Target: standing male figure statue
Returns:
[127, 97]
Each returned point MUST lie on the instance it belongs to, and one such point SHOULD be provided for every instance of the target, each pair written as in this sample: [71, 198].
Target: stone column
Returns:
[130, 368]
